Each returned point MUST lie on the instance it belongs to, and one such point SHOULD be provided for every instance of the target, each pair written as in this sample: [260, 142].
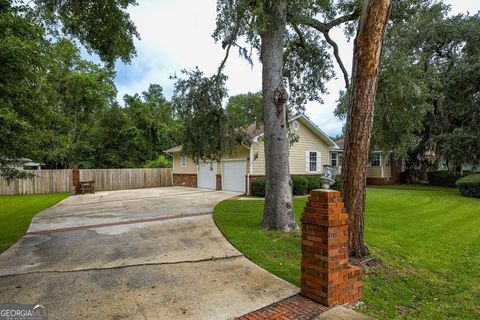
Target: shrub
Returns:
[313, 183]
[160, 162]
[469, 186]
[258, 187]
[300, 185]
[442, 178]
[338, 183]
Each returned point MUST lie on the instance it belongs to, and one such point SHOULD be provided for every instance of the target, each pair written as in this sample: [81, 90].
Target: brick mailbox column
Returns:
[76, 179]
[326, 275]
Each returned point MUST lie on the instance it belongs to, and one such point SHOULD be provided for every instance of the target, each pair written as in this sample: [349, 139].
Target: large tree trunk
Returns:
[278, 211]
[368, 44]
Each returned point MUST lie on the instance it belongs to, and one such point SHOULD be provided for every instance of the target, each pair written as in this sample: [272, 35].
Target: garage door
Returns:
[234, 175]
[207, 175]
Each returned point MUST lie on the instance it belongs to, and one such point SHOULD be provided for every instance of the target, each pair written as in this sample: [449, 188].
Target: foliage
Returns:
[313, 183]
[427, 99]
[207, 132]
[160, 162]
[408, 231]
[102, 26]
[469, 186]
[16, 213]
[245, 109]
[443, 178]
[338, 182]
[53, 102]
[258, 187]
[300, 185]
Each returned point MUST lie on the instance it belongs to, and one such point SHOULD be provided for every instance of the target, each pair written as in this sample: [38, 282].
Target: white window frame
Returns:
[308, 162]
[183, 161]
[295, 125]
[340, 159]
[334, 158]
[374, 158]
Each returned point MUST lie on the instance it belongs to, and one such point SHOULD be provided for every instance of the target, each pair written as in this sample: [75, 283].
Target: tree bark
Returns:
[278, 210]
[367, 50]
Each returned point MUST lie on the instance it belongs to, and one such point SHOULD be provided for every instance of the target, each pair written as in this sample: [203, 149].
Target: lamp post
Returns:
[328, 176]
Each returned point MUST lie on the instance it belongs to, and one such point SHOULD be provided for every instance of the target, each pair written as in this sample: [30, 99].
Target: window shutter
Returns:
[319, 162]
[307, 161]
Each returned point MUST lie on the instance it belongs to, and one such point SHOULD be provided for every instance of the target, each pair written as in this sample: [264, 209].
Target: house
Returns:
[382, 167]
[237, 171]
[23, 164]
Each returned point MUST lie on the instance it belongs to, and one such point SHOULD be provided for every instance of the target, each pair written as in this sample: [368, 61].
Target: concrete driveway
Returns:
[135, 254]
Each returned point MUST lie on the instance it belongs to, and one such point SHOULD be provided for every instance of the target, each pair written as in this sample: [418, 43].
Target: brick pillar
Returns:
[76, 179]
[326, 275]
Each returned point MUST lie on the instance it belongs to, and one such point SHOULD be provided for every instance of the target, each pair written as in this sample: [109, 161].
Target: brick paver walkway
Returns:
[293, 308]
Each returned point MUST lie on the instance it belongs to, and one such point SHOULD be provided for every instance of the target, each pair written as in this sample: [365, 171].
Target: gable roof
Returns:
[254, 131]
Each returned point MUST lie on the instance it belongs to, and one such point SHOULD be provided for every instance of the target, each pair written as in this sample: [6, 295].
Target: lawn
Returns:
[16, 213]
[428, 242]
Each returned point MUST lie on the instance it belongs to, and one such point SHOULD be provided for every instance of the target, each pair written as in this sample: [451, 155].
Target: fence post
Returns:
[326, 275]
[75, 180]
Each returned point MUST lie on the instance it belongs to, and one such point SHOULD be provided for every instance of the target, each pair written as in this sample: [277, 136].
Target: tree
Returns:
[278, 209]
[367, 49]
[245, 109]
[29, 32]
[294, 59]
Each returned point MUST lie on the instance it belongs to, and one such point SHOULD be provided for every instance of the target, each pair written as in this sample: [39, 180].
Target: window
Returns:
[334, 159]
[183, 161]
[313, 161]
[375, 161]
[340, 159]
[295, 125]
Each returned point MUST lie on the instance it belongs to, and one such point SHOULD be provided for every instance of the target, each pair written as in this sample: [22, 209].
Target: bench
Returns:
[87, 186]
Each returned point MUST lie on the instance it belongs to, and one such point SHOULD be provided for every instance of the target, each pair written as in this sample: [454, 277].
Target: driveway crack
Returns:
[127, 266]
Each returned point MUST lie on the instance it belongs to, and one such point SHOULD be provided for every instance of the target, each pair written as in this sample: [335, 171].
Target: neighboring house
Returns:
[381, 169]
[237, 171]
[23, 164]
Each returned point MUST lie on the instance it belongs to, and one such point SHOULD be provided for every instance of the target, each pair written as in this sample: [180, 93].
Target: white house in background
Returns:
[23, 164]
[236, 171]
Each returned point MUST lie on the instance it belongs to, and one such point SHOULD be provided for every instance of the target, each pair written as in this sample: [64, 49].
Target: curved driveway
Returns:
[135, 254]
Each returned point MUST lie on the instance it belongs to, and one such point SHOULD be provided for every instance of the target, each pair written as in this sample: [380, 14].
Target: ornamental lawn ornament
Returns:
[328, 176]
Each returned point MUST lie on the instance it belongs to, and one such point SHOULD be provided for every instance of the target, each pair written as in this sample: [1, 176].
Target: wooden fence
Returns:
[53, 181]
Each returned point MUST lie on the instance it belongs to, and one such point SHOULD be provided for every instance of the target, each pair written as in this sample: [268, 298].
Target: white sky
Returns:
[176, 34]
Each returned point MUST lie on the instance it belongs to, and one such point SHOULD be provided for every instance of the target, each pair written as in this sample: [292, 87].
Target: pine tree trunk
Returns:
[368, 44]
[278, 210]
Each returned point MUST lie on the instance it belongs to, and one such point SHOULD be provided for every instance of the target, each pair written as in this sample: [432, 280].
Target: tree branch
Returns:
[339, 60]
[325, 28]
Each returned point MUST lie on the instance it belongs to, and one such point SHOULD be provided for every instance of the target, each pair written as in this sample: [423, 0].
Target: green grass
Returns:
[16, 213]
[428, 243]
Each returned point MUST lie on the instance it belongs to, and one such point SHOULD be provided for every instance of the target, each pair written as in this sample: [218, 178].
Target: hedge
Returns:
[258, 187]
[313, 183]
[442, 178]
[469, 186]
[300, 186]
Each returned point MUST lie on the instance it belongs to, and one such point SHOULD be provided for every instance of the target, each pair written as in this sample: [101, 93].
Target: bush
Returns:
[160, 162]
[258, 187]
[313, 183]
[442, 178]
[338, 182]
[300, 185]
[469, 186]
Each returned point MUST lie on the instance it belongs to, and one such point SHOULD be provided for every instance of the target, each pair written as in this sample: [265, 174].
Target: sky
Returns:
[176, 35]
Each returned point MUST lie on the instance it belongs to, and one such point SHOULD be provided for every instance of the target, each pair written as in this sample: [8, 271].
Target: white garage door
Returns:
[207, 175]
[234, 175]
